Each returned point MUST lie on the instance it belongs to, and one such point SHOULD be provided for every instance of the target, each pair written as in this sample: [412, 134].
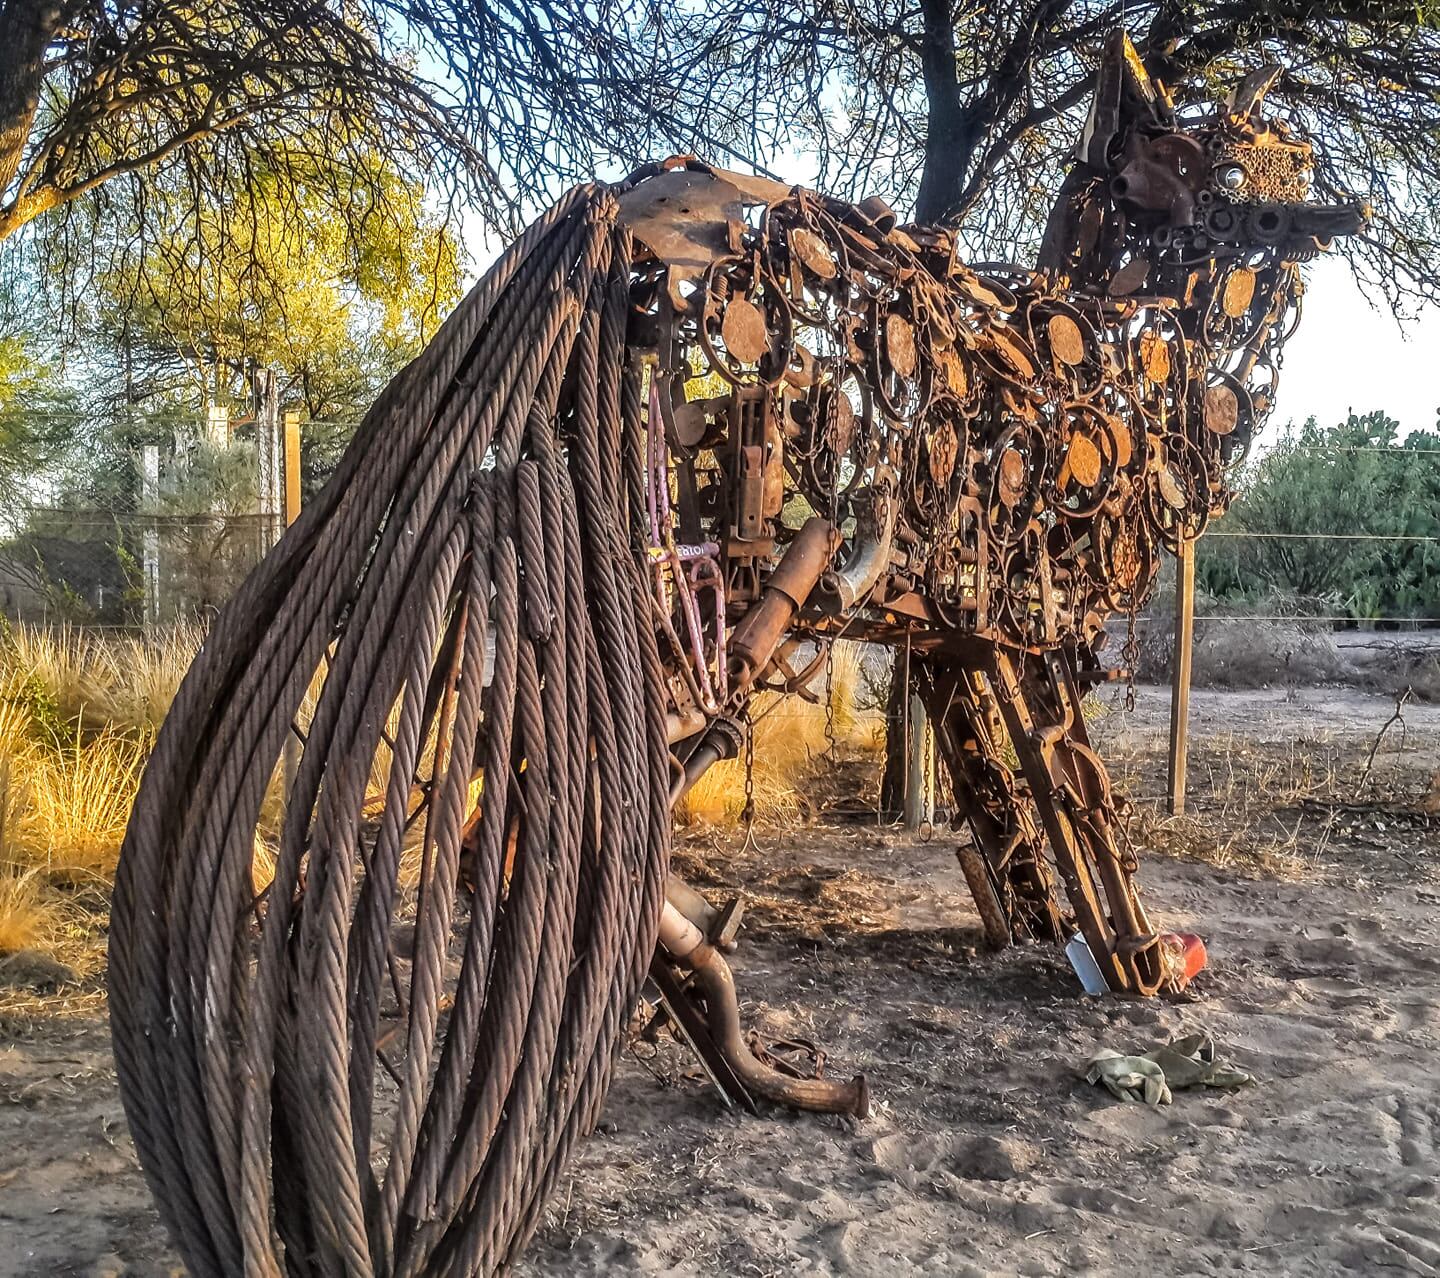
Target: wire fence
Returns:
[127, 570]
[140, 559]
[151, 536]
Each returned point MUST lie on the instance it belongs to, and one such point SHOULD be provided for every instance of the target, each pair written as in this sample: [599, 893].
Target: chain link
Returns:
[1130, 658]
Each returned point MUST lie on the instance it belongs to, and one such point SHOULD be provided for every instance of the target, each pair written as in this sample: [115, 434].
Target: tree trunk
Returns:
[949, 134]
[28, 27]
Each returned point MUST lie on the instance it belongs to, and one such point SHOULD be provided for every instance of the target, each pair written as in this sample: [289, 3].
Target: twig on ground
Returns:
[1397, 717]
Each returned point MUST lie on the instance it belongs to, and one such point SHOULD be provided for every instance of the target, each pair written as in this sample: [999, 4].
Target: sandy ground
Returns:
[986, 1152]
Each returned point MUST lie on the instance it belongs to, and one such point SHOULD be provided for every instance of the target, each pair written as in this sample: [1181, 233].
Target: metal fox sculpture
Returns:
[457, 702]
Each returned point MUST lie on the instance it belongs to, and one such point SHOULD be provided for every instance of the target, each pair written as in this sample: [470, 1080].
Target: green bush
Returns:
[1333, 481]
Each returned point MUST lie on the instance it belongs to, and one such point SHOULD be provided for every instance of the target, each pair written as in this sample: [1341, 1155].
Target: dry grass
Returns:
[1252, 805]
[21, 914]
[78, 714]
[79, 683]
[76, 805]
[790, 740]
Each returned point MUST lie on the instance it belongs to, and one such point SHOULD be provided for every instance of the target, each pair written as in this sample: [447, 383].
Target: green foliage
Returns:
[272, 279]
[148, 324]
[1316, 481]
[208, 481]
[207, 541]
[36, 416]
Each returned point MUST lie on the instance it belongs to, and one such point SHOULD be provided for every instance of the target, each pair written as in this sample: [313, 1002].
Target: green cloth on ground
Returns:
[1184, 1062]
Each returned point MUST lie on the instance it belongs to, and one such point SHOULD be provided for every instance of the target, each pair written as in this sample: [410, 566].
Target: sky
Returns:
[1347, 354]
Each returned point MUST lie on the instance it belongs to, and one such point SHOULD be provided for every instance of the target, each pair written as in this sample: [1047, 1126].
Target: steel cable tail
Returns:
[394, 872]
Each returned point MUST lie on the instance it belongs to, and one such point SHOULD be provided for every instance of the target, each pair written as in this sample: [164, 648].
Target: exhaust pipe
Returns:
[685, 943]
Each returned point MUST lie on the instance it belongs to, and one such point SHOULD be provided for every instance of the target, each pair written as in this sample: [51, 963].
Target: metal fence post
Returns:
[271, 482]
[150, 538]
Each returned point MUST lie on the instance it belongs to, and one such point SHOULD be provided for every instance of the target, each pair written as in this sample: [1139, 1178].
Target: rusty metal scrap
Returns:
[687, 432]
[1001, 456]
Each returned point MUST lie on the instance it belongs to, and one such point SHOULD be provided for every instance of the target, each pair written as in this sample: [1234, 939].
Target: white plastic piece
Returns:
[1091, 978]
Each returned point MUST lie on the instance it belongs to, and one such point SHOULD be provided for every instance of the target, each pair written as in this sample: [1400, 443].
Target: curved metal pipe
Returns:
[760, 631]
[853, 581]
[685, 943]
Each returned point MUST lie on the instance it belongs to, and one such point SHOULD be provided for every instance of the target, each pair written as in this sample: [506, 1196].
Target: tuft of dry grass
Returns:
[1251, 806]
[78, 715]
[22, 912]
[75, 683]
[76, 806]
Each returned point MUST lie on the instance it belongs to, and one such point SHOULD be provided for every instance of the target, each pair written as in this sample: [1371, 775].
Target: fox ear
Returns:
[1245, 98]
[1124, 96]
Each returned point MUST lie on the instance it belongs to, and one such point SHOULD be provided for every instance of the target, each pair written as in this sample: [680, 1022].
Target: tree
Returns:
[960, 108]
[971, 109]
[274, 282]
[37, 416]
[1381, 495]
[99, 93]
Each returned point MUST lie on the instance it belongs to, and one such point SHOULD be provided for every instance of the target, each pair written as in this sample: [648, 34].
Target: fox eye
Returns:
[1230, 176]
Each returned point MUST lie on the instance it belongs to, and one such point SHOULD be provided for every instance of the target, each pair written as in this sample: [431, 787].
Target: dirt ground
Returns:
[986, 1152]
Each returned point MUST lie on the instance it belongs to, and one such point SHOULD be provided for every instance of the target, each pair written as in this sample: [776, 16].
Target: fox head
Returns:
[1179, 189]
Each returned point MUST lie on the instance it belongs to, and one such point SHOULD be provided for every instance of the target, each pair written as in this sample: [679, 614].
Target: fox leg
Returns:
[1039, 700]
[1004, 865]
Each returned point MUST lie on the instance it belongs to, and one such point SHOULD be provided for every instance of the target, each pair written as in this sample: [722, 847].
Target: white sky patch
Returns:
[1347, 354]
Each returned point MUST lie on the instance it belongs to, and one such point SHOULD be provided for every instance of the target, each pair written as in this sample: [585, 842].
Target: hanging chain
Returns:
[830, 703]
[833, 443]
[747, 813]
[1130, 656]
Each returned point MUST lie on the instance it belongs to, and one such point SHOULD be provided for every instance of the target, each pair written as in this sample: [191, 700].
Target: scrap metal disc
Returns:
[1082, 458]
[1087, 234]
[1155, 357]
[743, 331]
[1129, 277]
[1012, 477]
[1066, 340]
[813, 252]
[1120, 433]
[944, 447]
[900, 344]
[953, 368]
[1008, 347]
[1171, 489]
[1239, 292]
[1222, 410]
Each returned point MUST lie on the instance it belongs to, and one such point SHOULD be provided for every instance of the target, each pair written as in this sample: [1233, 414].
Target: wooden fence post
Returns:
[1180, 672]
[291, 466]
[290, 476]
[920, 769]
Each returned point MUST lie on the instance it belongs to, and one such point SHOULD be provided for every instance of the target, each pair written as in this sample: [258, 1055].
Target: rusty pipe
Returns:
[758, 634]
[682, 724]
[700, 913]
[853, 581]
[722, 741]
[687, 945]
